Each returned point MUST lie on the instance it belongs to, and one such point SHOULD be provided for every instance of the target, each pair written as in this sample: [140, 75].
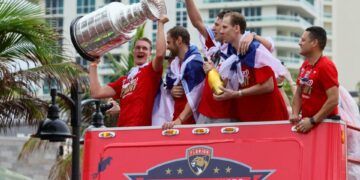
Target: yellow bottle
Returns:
[215, 81]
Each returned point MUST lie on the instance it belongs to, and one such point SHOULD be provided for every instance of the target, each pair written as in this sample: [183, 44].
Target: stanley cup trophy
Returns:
[112, 25]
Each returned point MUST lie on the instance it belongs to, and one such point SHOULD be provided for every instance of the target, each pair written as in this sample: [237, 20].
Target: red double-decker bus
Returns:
[248, 151]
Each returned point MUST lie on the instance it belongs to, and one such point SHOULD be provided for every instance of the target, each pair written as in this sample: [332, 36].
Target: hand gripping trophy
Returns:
[112, 25]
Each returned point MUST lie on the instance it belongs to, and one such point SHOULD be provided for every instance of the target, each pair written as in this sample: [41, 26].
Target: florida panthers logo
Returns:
[199, 159]
[201, 164]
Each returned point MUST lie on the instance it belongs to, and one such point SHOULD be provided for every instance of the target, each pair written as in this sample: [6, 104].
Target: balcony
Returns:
[329, 34]
[288, 21]
[287, 39]
[328, 2]
[327, 15]
[303, 6]
[279, 20]
[287, 42]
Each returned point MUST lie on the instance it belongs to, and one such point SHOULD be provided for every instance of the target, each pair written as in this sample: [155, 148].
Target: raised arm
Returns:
[195, 17]
[249, 37]
[264, 41]
[157, 63]
[96, 90]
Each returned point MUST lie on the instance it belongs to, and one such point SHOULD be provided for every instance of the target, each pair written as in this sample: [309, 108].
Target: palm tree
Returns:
[29, 54]
[62, 167]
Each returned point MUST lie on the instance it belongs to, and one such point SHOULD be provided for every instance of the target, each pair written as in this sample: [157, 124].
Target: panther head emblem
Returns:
[199, 158]
[199, 164]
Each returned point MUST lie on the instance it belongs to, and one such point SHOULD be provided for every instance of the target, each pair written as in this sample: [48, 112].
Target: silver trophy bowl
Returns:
[111, 26]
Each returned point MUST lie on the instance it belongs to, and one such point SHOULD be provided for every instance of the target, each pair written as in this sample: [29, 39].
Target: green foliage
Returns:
[29, 54]
[287, 86]
[33, 144]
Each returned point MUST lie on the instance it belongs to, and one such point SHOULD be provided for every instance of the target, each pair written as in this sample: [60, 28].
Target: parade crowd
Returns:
[252, 78]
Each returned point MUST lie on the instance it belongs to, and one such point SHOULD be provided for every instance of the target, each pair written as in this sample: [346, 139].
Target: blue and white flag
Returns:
[161, 113]
[191, 76]
[257, 56]
[134, 71]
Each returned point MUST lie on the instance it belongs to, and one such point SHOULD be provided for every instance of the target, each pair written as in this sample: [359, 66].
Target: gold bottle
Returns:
[215, 81]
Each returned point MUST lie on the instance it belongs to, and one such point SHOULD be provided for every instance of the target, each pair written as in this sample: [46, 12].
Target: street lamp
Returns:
[97, 117]
[56, 130]
[52, 128]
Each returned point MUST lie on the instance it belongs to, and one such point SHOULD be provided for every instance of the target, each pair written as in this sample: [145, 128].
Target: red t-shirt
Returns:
[212, 108]
[314, 80]
[137, 96]
[208, 42]
[208, 106]
[263, 107]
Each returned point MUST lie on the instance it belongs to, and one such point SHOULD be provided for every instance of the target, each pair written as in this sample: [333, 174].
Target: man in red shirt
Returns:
[212, 111]
[259, 98]
[186, 73]
[317, 93]
[137, 90]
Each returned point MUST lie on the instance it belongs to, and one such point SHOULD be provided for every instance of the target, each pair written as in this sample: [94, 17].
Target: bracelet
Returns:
[240, 93]
[93, 64]
[181, 119]
[312, 121]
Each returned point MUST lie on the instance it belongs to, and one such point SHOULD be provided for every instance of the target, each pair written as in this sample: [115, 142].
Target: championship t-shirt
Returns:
[314, 80]
[263, 107]
[137, 96]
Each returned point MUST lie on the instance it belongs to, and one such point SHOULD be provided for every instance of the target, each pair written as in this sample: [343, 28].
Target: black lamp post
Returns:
[56, 130]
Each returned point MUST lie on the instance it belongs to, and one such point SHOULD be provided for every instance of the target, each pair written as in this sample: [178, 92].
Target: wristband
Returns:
[93, 64]
[312, 121]
[240, 93]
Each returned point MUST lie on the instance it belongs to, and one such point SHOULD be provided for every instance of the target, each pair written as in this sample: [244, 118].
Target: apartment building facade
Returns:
[282, 20]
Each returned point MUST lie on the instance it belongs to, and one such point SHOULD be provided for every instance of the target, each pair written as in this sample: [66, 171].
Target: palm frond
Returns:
[29, 54]
[23, 20]
[30, 146]
[61, 170]
[65, 72]
[17, 111]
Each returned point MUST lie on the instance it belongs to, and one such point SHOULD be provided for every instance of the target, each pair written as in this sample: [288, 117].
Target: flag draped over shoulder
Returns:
[191, 76]
[209, 51]
[257, 56]
[134, 71]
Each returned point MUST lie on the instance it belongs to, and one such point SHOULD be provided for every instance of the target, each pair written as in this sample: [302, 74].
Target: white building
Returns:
[346, 26]
[283, 20]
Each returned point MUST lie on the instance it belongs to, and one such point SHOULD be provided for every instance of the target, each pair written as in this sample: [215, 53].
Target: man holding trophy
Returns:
[136, 91]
